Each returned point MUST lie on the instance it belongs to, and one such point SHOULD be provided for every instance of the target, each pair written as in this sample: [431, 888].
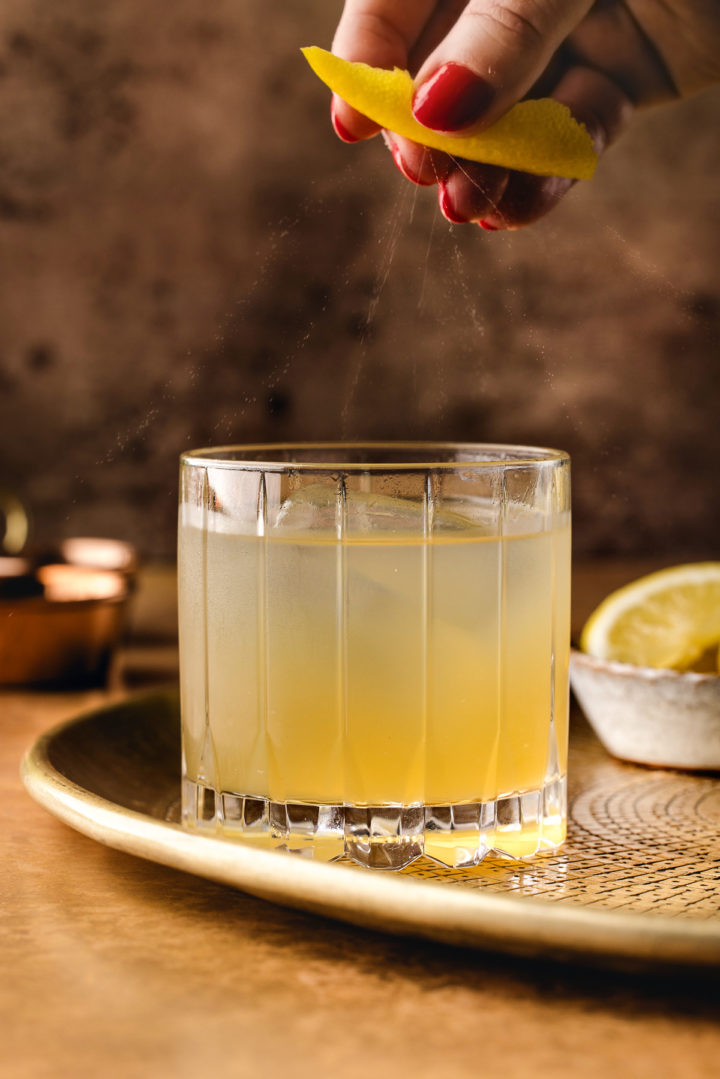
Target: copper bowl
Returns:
[60, 622]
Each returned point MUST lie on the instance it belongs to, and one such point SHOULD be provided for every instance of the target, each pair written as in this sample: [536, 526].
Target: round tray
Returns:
[637, 883]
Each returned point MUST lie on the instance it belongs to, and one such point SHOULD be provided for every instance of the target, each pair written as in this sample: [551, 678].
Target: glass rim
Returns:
[253, 456]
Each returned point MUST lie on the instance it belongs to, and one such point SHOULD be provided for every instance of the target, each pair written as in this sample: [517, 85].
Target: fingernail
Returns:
[488, 227]
[400, 162]
[451, 99]
[446, 206]
[340, 130]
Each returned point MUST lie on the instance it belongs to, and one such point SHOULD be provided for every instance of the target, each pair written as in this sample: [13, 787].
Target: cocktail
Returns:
[374, 648]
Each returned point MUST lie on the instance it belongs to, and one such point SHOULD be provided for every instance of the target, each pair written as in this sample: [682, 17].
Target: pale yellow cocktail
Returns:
[373, 662]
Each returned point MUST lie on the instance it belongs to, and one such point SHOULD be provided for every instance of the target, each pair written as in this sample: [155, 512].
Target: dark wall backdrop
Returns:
[189, 257]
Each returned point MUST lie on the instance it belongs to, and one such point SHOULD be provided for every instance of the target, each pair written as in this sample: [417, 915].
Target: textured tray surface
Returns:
[639, 839]
[637, 882]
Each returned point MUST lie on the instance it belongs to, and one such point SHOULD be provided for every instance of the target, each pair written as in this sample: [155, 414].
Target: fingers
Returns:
[526, 199]
[472, 192]
[417, 163]
[444, 15]
[594, 100]
[486, 54]
[489, 59]
[467, 191]
[597, 102]
[380, 33]
[498, 199]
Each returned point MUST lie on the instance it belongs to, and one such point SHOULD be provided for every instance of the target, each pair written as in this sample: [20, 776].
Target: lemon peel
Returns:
[539, 136]
[669, 619]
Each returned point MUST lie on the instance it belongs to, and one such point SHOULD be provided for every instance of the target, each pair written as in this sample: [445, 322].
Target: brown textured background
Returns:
[189, 256]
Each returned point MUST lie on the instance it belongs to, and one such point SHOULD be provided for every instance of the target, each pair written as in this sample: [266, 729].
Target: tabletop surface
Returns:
[119, 967]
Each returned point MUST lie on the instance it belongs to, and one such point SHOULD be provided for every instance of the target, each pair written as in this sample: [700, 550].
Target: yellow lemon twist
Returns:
[539, 136]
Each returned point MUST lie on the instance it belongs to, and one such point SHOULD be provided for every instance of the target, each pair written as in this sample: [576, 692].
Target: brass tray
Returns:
[637, 884]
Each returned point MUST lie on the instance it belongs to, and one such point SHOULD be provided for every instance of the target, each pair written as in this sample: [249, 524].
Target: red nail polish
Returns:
[447, 207]
[399, 161]
[451, 99]
[340, 130]
[488, 227]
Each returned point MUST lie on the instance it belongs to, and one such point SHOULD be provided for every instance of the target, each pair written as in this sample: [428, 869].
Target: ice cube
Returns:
[319, 506]
[314, 506]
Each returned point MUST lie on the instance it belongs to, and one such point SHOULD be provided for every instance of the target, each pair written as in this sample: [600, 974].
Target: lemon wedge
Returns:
[668, 619]
[538, 136]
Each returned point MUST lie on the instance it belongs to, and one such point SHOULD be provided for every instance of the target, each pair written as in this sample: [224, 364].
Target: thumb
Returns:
[489, 60]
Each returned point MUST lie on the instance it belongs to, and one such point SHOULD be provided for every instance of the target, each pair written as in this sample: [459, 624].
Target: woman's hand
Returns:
[473, 60]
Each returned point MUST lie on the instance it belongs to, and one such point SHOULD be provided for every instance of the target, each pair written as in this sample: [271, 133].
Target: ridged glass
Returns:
[374, 647]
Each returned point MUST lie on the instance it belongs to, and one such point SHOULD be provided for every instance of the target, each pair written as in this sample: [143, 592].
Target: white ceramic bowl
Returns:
[660, 717]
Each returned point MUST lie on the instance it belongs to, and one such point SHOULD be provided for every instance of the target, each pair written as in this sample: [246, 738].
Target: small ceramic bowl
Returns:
[665, 718]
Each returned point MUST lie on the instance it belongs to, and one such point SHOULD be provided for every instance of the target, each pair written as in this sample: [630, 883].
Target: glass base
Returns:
[389, 836]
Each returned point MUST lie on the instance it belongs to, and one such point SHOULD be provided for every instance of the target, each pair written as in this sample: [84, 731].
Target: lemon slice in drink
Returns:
[668, 619]
[538, 136]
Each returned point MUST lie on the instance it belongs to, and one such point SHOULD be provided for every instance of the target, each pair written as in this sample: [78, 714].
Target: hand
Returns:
[473, 60]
